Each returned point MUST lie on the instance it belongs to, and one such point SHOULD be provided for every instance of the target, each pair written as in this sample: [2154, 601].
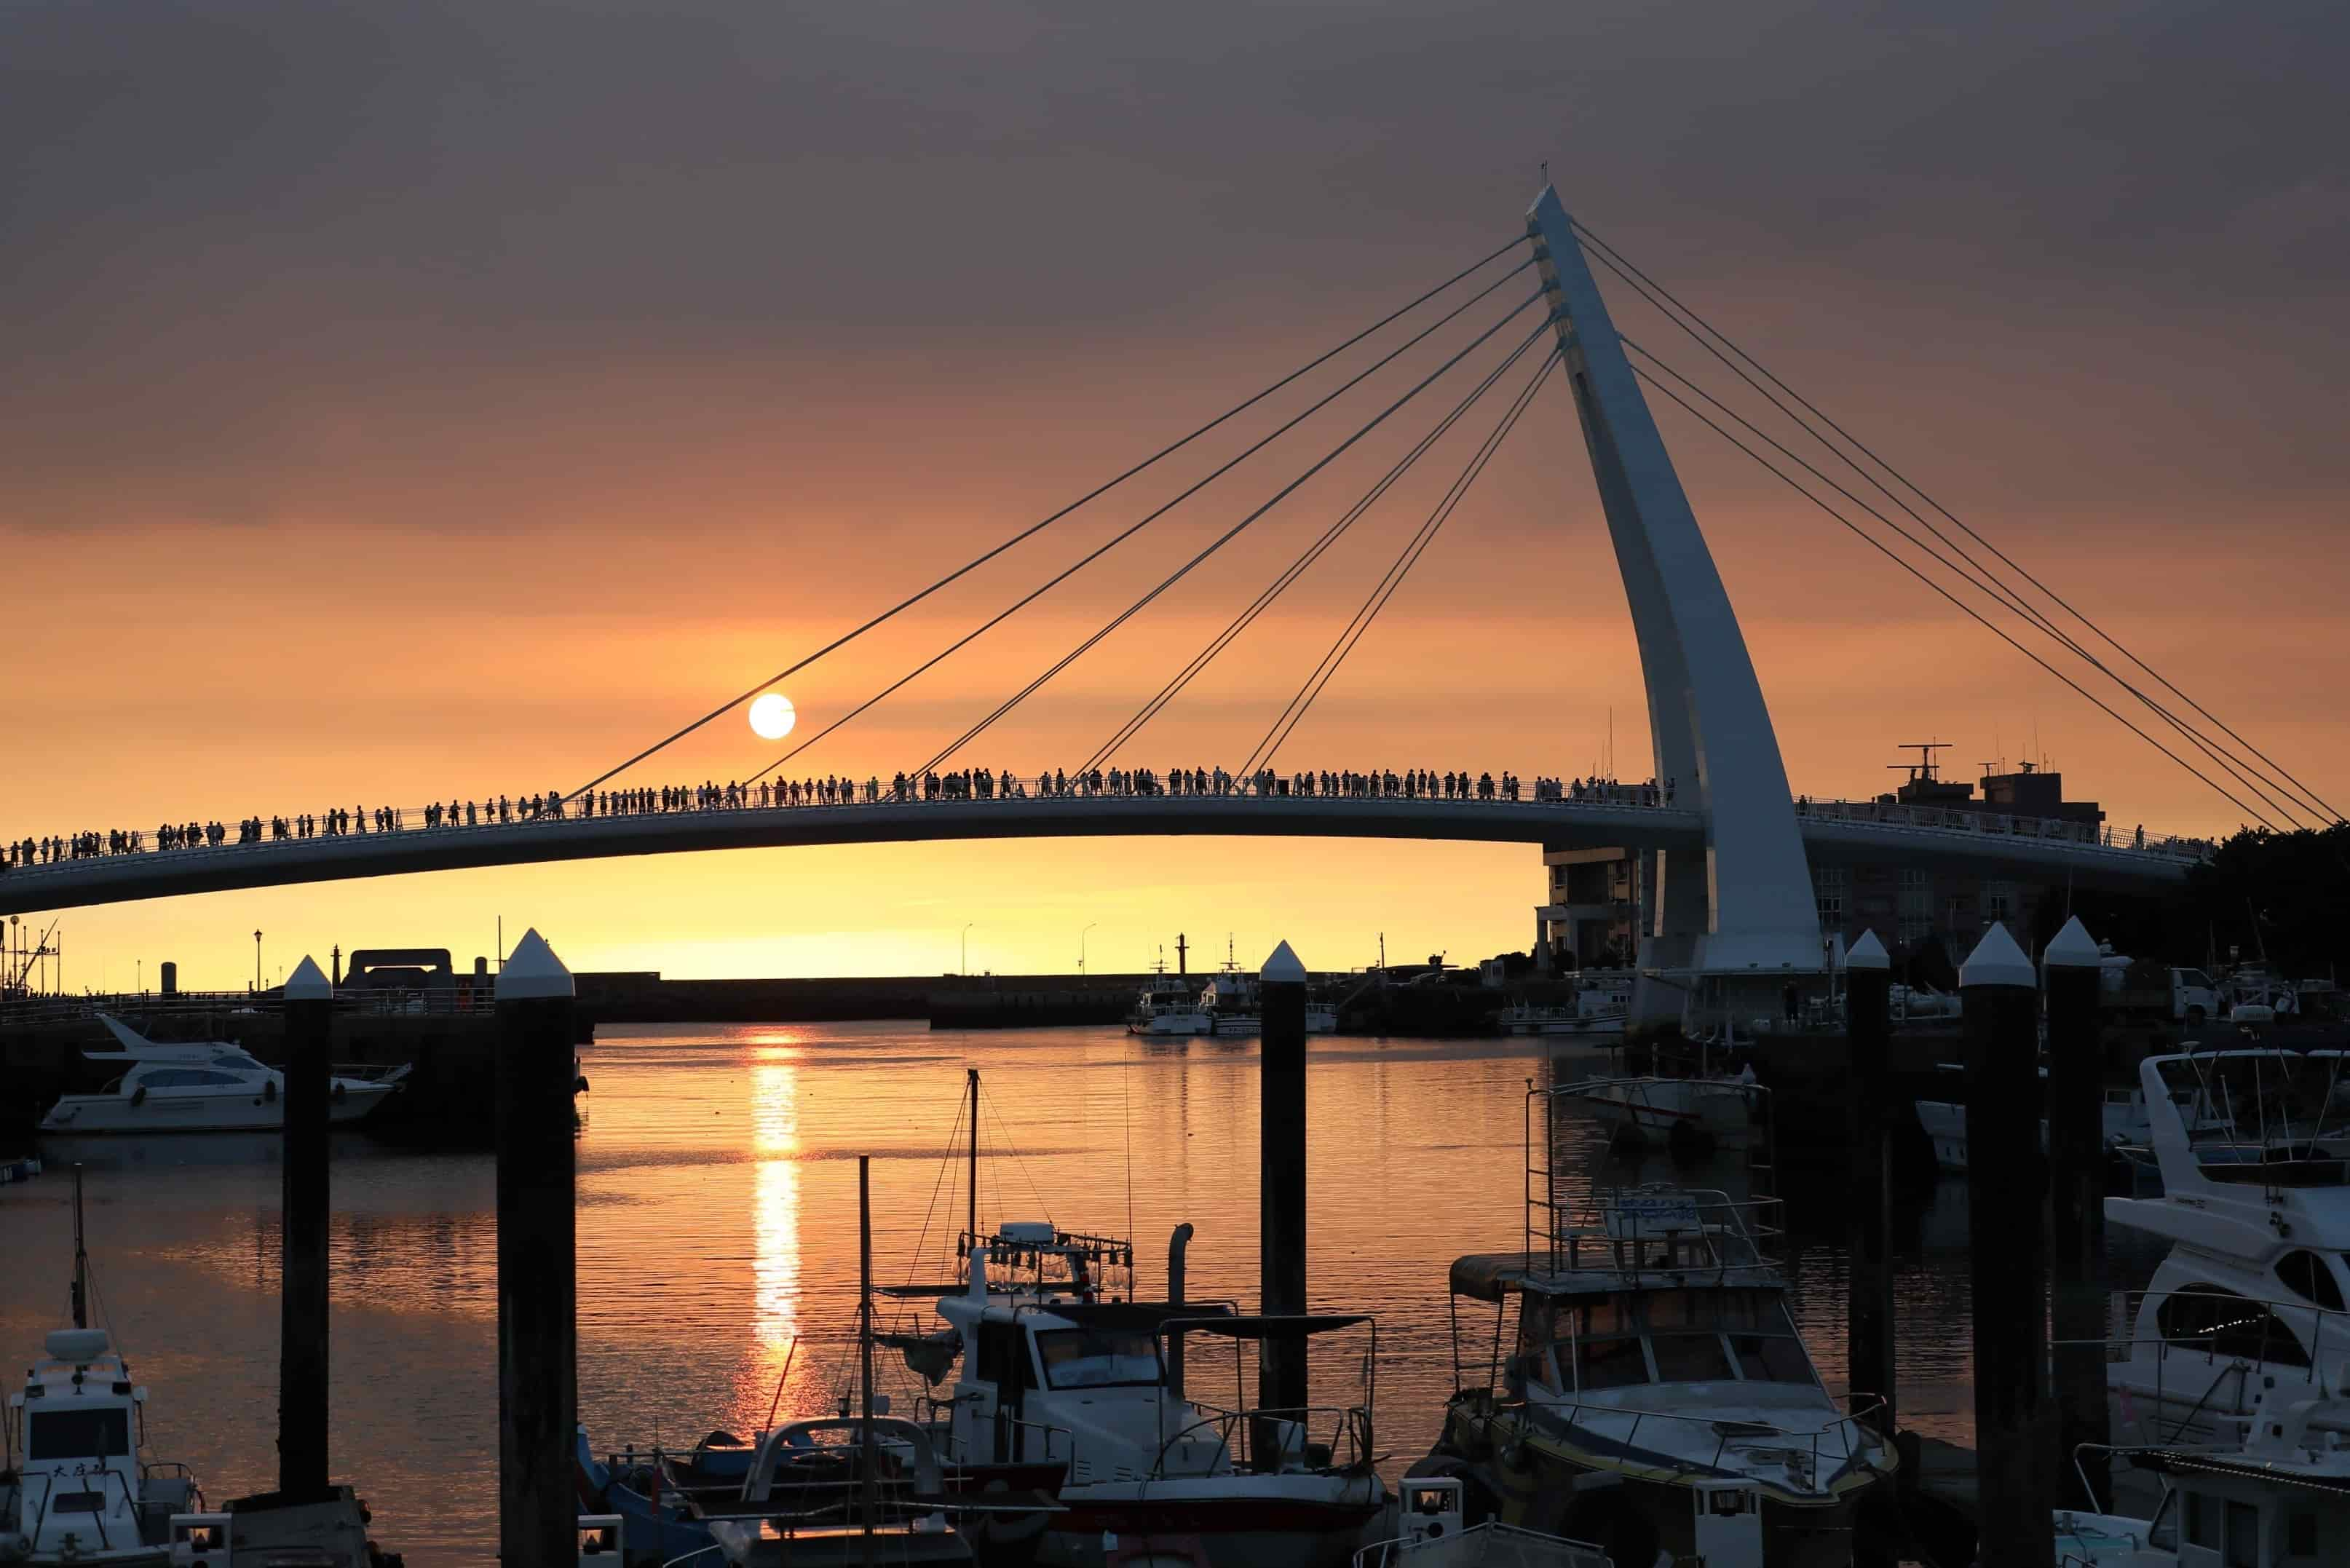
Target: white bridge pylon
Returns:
[1742, 902]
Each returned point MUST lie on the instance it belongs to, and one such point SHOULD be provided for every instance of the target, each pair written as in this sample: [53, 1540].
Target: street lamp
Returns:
[966, 945]
[1081, 947]
[256, 961]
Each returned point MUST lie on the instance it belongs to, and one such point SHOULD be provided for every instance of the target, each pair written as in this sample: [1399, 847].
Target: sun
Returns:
[772, 716]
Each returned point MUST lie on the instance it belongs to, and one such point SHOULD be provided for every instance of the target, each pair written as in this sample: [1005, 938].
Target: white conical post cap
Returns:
[308, 983]
[532, 970]
[1867, 953]
[1283, 968]
[1996, 960]
[2073, 949]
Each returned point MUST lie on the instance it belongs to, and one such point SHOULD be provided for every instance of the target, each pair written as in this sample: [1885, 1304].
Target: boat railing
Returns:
[1678, 1234]
[1503, 1543]
[1053, 1445]
[2263, 1339]
[1247, 1440]
[1856, 1422]
[78, 1486]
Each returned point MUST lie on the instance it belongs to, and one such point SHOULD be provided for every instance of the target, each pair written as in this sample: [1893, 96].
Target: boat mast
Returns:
[870, 1456]
[970, 1219]
[81, 1261]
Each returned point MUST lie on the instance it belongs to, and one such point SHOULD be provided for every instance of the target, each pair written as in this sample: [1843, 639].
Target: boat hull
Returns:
[85, 1115]
[1222, 1522]
[1530, 1475]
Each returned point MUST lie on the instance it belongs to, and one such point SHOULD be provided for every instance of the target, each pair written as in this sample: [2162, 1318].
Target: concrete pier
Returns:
[2076, 1208]
[1281, 1368]
[538, 1261]
[307, 1205]
[2015, 1422]
[1868, 1308]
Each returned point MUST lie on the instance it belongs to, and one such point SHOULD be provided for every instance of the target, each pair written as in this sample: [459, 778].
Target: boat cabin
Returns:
[74, 1432]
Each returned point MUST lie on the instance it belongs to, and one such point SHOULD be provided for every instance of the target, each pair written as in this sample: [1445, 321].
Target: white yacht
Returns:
[1231, 1003]
[2127, 1124]
[1167, 1006]
[73, 1486]
[1597, 1012]
[2277, 1495]
[2246, 1316]
[1052, 1366]
[1658, 1399]
[206, 1086]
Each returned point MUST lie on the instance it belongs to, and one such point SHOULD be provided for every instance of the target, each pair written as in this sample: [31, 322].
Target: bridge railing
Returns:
[508, 815]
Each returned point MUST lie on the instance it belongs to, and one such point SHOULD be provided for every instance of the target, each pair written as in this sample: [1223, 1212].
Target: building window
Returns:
[1998, 901]
[1829, 885]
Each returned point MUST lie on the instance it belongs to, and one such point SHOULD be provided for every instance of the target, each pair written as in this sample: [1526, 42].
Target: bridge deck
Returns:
[1832, 832]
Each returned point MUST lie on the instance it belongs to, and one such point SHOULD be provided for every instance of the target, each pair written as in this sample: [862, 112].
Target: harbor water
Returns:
[718, 1227]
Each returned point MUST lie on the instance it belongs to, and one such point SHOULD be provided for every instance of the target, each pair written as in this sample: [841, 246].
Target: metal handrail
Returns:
[872, 790]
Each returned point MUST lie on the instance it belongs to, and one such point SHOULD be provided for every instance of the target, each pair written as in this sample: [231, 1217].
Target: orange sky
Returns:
[470, 453]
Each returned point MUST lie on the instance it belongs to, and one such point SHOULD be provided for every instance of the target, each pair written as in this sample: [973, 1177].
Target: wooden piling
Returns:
[2015, 1428]
[302, 1297]
[1869, 1306]
[538, 1397]
[1280, 1162]
[2076, 1208]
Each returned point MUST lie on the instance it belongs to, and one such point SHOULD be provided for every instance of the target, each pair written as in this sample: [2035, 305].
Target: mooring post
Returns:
[2015, 1428]
[302, 1329]
[1869, 1309]
[2076, 1205]
[1281, 1123]
[538, 1397]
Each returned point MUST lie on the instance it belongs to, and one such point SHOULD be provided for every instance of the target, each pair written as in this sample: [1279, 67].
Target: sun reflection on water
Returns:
[775, 1208]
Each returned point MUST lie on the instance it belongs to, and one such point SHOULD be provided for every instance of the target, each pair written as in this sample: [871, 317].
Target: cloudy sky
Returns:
[437, 400]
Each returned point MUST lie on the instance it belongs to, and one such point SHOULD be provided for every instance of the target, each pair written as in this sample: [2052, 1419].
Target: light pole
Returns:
[966, 946]
[256, 961]
[1081, 947]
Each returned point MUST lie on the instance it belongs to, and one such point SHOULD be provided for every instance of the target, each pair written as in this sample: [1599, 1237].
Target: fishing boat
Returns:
[73, 1486]
[1596, 1012]
[1043, 1353]
[1166, 1007]
[208, 1085]
[1692, 1114]
[1656, 1396]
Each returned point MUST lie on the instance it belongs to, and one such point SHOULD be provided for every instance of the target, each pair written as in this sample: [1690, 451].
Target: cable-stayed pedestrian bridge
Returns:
[1833, 831]
[1730, 880]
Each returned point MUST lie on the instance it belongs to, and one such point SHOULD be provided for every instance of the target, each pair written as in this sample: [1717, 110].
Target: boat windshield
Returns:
[238, 1061]
[77, 1433]
[1097, 1357]
[1627, 1338]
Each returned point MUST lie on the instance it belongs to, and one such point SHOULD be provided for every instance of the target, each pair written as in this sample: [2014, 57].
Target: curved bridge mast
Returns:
[1741, 904]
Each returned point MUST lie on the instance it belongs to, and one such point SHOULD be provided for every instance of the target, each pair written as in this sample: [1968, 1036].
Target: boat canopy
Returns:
[1489, 1276]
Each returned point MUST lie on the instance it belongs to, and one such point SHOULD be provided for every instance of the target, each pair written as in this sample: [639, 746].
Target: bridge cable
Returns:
[1296, 569]
[1180, 572]
[982, 559]
[1116, 540]
[1294, 713]
[1970, 610]
[1978, 577]
[1673, 308]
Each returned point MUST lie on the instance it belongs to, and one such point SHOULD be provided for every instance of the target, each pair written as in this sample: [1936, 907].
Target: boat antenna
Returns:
[869, 1456]
[81, 1260]
[970, 1224]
